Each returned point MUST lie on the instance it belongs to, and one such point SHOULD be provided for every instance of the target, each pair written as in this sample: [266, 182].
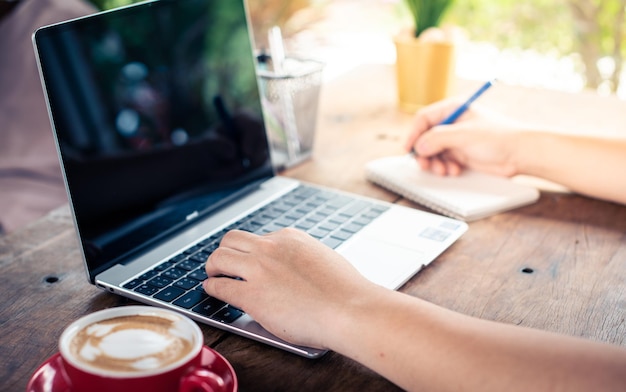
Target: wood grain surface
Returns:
[557, 265]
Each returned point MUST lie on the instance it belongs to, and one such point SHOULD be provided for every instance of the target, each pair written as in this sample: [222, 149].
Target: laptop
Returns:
[159, 127]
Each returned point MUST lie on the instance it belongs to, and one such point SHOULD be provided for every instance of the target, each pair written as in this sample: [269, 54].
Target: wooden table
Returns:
[557, 265]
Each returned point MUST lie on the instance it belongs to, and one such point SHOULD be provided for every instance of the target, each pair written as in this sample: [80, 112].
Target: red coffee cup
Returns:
[133, 349]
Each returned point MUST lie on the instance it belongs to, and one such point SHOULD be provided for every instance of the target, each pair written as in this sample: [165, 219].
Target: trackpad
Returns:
[381, 262]
[399, 243]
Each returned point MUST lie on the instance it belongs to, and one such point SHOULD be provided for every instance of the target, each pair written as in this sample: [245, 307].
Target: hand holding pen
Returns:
[463, 108]
[475, 140]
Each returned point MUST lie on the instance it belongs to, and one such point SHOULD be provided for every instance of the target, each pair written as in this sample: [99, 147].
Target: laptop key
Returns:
[362, 220]
[272, 214]
[190, 265]
[261, 220]
[341, 235]
[339, 202]
[177, 258]
[199, 257]
[249, 226]
[199, 274]
[191, 299]
[351, 227]
[354, 208]
[272, 227]
[316, 217]
[285, 221]
[375, 212]
[209, 307]
[132, 284]
[330, 226]
[227, 314]
[326, 211]
[294, 215]
[146, 289]
[211, 248]
[305, 224]
[168, 264]
[304, 209]
[174, 273]
[186, 283]
[338, 219]
[159, 281]
[318, 232]
[281, 207]
[193, 249]
[148, 275]
[169, 293]
[304, 191]
[315, 203]
[332, 242]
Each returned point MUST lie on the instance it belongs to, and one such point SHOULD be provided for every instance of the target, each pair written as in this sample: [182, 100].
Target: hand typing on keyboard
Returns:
[288, 300]
[306, 293]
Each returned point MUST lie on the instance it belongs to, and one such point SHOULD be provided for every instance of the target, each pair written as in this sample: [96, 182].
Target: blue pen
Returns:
[461, 109]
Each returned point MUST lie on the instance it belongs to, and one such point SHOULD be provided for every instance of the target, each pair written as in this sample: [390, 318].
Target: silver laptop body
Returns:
[160, 132]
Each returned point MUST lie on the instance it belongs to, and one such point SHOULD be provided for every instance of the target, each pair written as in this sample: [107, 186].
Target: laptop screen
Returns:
[157, 116]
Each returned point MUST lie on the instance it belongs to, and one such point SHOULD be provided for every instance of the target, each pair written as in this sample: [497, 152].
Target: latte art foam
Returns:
[128, 344]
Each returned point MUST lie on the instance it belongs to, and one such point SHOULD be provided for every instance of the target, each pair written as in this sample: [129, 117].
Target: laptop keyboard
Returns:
[330, 217]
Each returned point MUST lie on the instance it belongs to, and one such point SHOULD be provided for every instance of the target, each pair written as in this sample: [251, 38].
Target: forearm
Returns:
[420, 346]
[589, 166]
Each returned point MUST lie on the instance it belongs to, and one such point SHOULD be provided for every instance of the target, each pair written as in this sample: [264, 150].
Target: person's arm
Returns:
[591, 166]
[307, 294]
[483, 141]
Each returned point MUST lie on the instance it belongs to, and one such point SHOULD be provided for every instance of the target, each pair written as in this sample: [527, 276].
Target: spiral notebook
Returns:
[469, 196]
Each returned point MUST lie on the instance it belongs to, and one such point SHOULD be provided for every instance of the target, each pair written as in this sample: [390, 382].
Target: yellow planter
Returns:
[424, 71]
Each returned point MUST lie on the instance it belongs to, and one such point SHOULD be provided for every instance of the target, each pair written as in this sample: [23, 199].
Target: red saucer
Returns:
[49, 377]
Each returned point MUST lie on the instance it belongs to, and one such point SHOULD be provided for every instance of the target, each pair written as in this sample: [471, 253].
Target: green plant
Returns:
[427, 13]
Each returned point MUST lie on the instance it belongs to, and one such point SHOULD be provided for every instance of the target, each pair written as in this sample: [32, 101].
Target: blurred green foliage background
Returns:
[595, 30]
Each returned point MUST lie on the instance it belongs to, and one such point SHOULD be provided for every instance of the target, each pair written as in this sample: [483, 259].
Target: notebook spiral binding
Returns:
[439, 206]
